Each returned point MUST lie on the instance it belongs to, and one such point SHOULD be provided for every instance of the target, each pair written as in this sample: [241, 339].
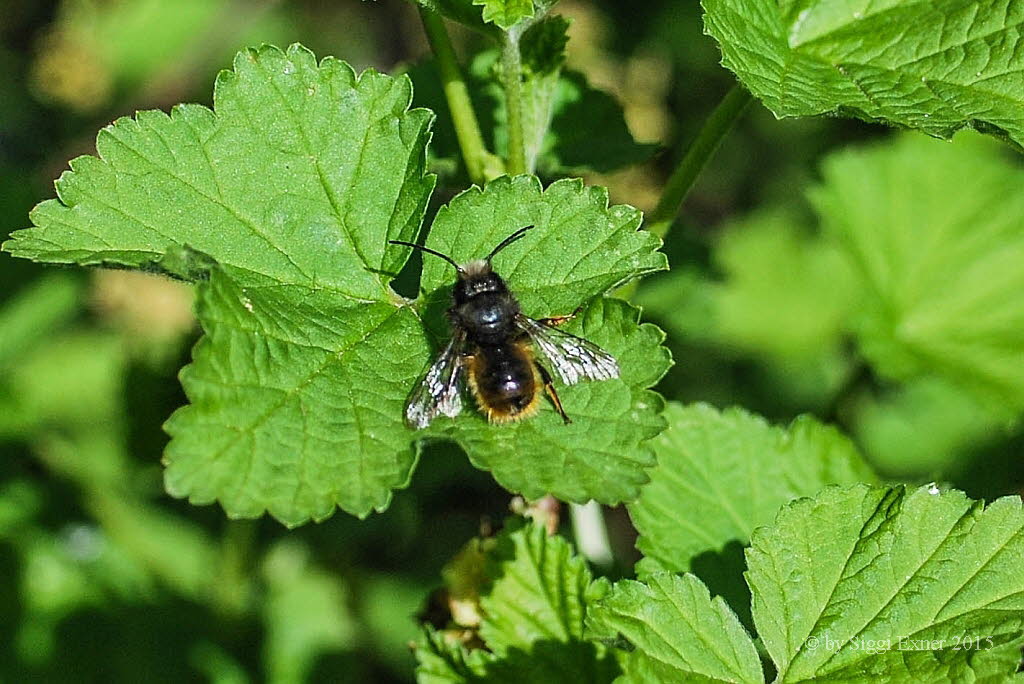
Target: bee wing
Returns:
[438, 393]
[573, 358]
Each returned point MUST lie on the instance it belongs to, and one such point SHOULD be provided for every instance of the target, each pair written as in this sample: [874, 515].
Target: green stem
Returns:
[512, 77]
[697, 155]
[467, 129]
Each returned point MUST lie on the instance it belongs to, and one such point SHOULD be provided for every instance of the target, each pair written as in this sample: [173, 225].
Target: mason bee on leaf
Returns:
[494, 349]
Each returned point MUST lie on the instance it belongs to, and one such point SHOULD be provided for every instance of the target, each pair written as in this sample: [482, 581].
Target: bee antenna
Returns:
[507, 241]
[428, 251]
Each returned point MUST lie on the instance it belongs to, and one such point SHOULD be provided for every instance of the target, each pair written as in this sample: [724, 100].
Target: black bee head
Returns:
[476, 278]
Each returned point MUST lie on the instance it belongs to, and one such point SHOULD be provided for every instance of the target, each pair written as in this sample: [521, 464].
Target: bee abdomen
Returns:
[504, 381]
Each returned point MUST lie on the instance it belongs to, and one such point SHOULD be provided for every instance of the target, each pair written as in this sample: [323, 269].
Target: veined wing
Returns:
[438, 394]
[573, 358]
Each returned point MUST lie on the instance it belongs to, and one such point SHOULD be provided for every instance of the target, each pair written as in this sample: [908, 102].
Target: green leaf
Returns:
[721, 474]
[306, 613]
[536, 575]
[569, 125]
[581, 247]
[588, 131]
[505, 13]
[939, 258]
[873, 583]
[677, 632]
[926, 428]
[293, 187]
[601, 455]
[934, 66]
[465, 12]
[787, 293]
[297, 399]
[296, 178]
[534, 600]
[280, 206]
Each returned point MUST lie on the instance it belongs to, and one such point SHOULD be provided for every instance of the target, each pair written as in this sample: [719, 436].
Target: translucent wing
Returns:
[439, 392]
[573, 358]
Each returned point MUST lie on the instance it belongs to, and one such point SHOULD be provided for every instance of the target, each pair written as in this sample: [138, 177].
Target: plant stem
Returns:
[512, 77]
[591, 534]
[697, 155]
[467, 129]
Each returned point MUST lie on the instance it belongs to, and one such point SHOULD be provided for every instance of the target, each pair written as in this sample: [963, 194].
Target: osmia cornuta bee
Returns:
[492, 345]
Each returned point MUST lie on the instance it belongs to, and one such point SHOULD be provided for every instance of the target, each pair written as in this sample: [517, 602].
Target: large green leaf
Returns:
[581, 246]
[297, 177]
[721, 474]
[937, 235]
[936, 66]
[280, 206]
[868, 583]
[677, 632]
[296, 402]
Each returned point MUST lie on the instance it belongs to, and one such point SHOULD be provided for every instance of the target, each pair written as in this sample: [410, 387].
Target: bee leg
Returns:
[549, 387]
[559, 320]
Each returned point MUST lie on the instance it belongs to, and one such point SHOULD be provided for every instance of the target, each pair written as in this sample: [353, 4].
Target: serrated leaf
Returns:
[296, 177]
[580, 247]
[873, 583]
[677, 632]
[721, 474]
[934, 66]
[534, 601]
[280, 206]
[505, 13]
[939, 257]
[536, 575]
[601, 455]
[295, 407]
[534, 598]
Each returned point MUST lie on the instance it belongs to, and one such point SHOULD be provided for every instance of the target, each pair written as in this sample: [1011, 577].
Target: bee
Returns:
[494, 348]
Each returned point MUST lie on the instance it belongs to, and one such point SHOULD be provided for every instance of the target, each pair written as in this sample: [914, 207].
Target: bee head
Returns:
[475, 278]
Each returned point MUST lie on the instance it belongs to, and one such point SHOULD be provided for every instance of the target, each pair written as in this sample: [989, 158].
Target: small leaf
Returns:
[570, 126]
[720, 475]
[534, 600]
[677, 632]
[936, 67]
[466, 12]
[884, 584]
[588, 131]
[505, 13]
[939, 258]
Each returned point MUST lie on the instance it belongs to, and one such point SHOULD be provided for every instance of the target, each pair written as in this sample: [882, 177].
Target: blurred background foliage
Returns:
[102, 576]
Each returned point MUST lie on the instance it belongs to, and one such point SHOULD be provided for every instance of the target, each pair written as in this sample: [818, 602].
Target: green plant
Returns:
[278, 205]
